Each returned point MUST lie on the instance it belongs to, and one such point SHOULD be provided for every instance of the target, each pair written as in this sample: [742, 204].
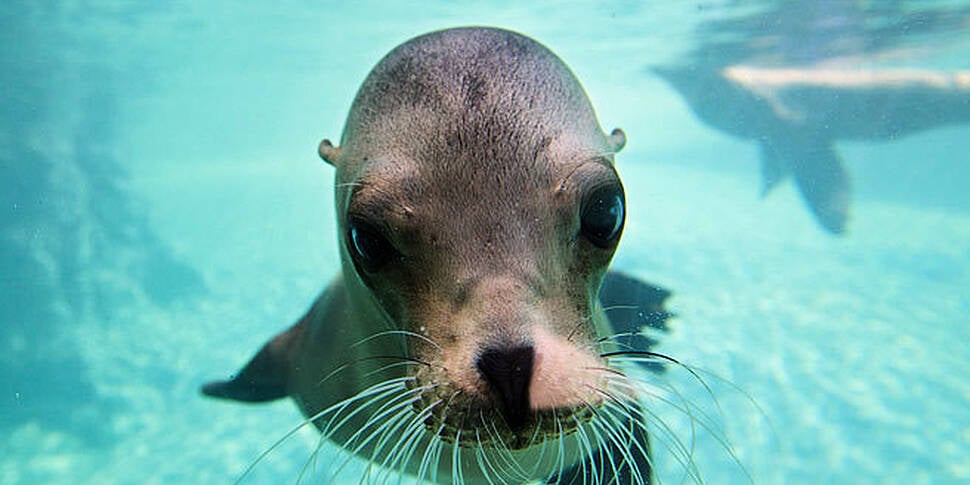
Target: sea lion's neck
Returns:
[359, 341]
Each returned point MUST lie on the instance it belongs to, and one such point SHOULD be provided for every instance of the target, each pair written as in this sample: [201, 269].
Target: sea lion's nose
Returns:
[508, 372]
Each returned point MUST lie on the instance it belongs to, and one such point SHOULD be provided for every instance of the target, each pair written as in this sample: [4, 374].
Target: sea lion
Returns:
[797, 114]
[466, 338]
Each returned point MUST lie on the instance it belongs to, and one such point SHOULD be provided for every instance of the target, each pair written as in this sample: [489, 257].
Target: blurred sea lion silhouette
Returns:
[797, 115]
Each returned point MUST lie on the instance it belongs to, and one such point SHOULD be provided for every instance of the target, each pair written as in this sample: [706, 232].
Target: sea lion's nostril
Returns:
[508, 372]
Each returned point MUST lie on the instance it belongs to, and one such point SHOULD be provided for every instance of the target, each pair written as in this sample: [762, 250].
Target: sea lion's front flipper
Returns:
[823, 183]
[265, 377]
[632, 305]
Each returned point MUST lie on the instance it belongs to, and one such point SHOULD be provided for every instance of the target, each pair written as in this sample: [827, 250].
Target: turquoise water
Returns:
[165, 213]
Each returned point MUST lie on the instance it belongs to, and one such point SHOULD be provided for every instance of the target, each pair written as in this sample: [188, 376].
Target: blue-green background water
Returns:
[165, 212]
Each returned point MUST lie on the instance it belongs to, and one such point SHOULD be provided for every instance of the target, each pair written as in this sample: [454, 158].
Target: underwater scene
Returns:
[788, 302]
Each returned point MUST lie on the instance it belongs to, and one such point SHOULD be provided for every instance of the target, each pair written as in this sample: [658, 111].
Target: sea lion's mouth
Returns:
[473, 423]
[509, 397]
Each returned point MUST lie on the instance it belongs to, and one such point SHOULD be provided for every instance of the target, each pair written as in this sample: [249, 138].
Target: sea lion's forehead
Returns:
[472, 68]
[400, 187]
[467, 78]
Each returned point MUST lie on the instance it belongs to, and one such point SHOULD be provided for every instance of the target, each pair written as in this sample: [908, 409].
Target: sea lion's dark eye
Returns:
[369, 248]
[601, 216]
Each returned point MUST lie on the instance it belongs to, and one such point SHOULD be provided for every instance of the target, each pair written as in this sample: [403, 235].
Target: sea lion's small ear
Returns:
[617, 140]
[328, 152]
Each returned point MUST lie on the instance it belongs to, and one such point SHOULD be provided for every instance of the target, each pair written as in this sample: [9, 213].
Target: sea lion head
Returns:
[479, 208]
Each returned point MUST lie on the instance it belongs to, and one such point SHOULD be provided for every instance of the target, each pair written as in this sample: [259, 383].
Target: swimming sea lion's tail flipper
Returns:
[632, 305]
[817, 170]
[265, 377]
[824, 185]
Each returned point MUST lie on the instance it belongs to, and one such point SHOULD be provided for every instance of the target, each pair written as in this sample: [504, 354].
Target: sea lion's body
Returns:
[478, 210]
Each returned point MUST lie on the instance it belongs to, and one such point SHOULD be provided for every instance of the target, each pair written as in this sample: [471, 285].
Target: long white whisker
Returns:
[411, 436]
[598, 470]
[434, 446]
[594, 424]
[311, 419]
[374, 392]
[636, 387]
[612, 434]
[644, 356]
[396, 332]
[456, 459]
[483, 464]
[696, 416]
[384, 434]
[432, 453]
[328, 430]
[638, 415]
[593, 428]
[391, 366]
[398, 407]
[561, 466]
[585, 453]
[489, 467]
[542, 452]
[628, 425]
[439, 448]
[504, 452]
[635, 417]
